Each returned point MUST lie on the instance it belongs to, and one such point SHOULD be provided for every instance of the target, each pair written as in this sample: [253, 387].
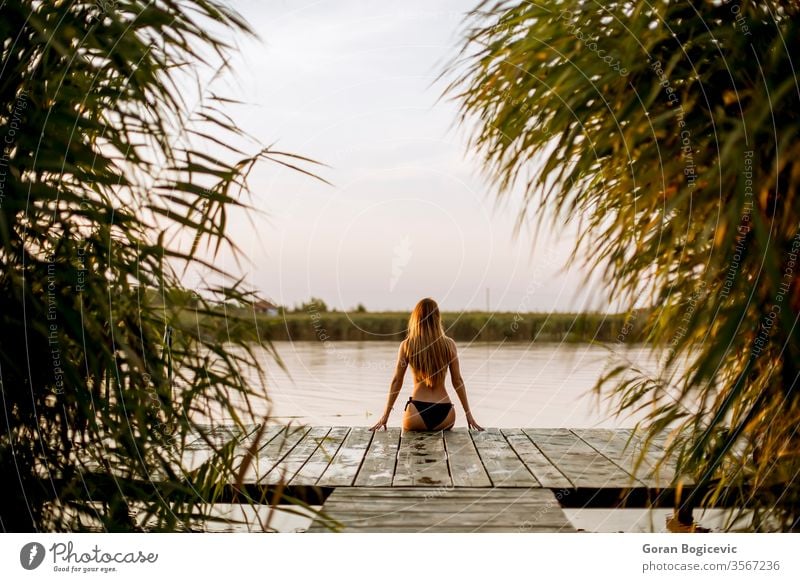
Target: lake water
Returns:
[508, 385]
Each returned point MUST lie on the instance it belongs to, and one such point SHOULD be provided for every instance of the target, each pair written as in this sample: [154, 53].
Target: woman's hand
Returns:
[471, 422]
[381, 423]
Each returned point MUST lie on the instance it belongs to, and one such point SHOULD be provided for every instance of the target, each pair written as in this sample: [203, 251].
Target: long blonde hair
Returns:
[427, 349]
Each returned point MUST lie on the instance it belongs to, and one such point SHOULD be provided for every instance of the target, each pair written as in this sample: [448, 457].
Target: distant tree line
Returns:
[319, 325]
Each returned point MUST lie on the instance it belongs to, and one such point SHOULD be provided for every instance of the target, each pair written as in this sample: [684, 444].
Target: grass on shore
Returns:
[391, 326]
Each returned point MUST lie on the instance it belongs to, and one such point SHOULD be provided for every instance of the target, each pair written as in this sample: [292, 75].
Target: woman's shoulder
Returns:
[451, 343]
[402, 352]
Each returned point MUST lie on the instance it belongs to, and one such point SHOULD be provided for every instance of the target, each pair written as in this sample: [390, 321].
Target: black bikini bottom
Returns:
[432, 413]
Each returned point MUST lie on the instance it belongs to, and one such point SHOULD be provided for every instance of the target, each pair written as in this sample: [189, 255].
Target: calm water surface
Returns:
[508, 385]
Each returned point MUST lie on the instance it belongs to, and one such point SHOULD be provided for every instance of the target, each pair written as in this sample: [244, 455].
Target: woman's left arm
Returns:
[394, 388]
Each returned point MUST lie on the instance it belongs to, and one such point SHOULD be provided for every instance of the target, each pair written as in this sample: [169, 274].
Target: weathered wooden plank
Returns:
[380, 460]
[579, 462]
[437, 497]
[441, 492]
[199, 451]
[504, 467]
[192, 459]
[273, 452]
[208, 436]
[627, 452]
[421, 460]
[442, 522]
[448, 529]
[662, 438]
[285, 469]
[466, 468]
[248, 443]
[415, 509]
[266, 437]
[543, 470]
[513, 519]
[429, 491]
[380, 505]
[667, 467]
[344, 466]
[313, 469]
[487, 503]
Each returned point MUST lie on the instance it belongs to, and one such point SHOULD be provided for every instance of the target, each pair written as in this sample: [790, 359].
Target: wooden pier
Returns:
[514, 479]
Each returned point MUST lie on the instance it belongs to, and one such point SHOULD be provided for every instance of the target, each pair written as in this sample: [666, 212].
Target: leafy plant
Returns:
[106, 168]
[671, 131]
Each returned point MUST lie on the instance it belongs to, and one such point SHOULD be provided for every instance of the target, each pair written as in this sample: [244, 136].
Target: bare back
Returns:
[425, 409]
[437, 392]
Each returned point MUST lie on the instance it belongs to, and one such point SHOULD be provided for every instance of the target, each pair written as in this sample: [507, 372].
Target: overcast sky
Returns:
[351, 84]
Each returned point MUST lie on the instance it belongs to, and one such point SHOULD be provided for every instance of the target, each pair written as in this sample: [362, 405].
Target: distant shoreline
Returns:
[465, 326]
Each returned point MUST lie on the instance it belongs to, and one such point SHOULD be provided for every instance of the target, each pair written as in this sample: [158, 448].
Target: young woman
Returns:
[430, 353]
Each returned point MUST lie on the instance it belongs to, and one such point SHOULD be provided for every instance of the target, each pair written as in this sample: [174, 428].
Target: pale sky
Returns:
[351, 84]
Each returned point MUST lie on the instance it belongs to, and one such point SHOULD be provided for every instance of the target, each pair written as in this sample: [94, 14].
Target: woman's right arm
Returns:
[394, 387]
[461, 390]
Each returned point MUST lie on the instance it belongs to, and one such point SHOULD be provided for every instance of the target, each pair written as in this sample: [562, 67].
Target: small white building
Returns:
[265, 307]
